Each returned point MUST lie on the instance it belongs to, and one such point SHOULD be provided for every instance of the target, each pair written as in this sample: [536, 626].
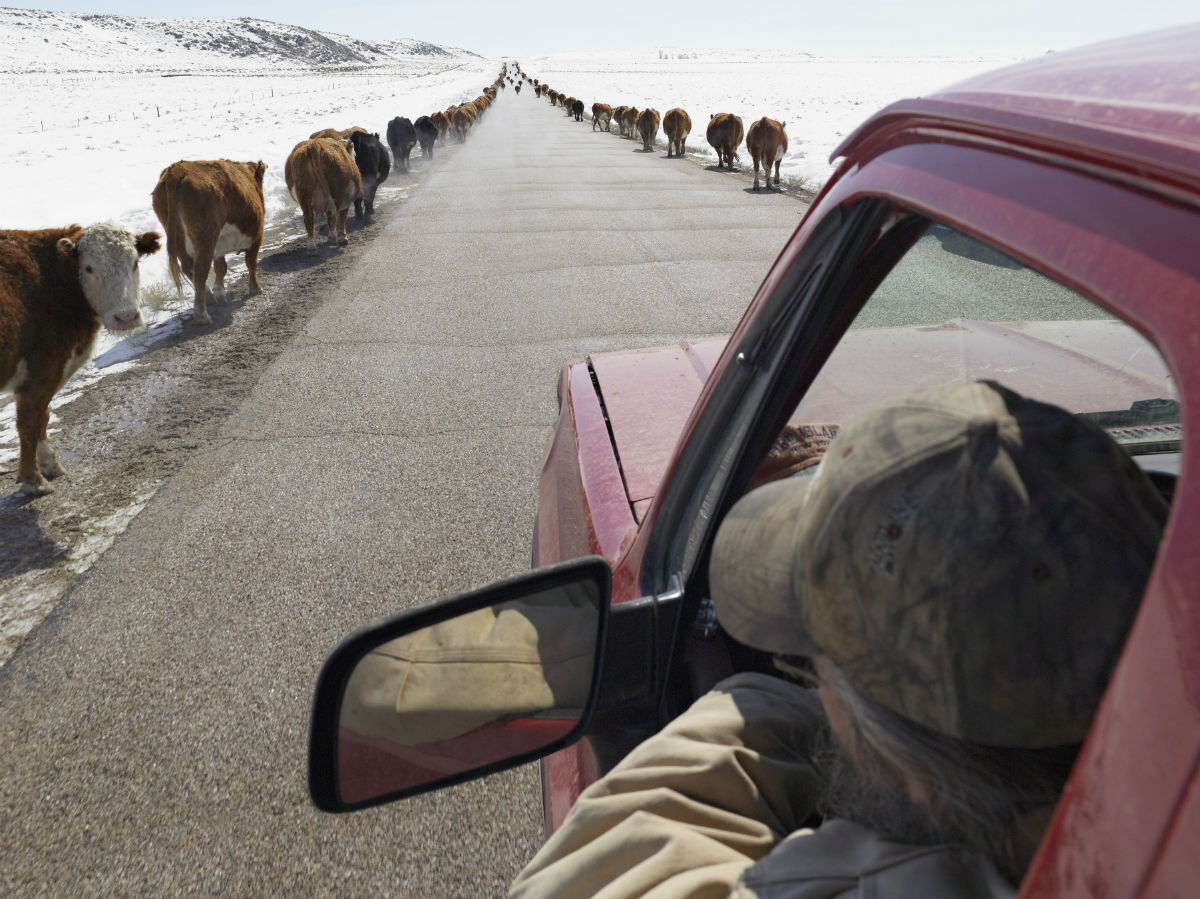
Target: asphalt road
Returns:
[152, 729]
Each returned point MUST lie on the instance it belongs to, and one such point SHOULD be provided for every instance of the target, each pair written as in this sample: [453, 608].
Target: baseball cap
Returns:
[969, 558]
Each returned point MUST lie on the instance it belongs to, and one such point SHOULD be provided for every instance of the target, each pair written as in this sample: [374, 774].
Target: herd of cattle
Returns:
[58, 285]
[766, 140]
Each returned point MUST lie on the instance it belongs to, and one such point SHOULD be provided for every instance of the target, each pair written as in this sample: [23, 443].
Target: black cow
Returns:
[401, 137]
[577, 110]
[427, 133]
[373, 163]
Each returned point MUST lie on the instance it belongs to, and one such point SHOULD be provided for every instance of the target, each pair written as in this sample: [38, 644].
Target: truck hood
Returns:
[1085, 366]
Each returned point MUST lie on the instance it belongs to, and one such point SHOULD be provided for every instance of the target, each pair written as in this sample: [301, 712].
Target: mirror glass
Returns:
[484, 686]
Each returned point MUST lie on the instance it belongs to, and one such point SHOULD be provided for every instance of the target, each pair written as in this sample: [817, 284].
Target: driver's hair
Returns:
[990, 799]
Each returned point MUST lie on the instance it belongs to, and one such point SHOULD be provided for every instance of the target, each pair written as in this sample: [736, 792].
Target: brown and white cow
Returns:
[57, 286]
[618, 116]
[725, 135]
[630, 120]
[647, 125]
[209, 208]
[767, 142]
[321, 176]
[677, 125]
[602, 115]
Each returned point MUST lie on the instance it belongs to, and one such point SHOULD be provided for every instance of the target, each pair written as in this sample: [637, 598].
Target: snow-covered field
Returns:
[93, 108]
[820, 99]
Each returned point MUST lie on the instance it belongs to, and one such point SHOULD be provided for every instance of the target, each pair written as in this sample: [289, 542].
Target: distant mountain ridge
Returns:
[34, 40]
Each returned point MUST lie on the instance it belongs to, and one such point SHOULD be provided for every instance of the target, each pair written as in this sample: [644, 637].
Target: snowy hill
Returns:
[36, 41]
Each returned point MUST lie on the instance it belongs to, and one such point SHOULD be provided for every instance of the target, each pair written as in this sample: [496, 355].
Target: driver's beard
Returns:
[883, 807]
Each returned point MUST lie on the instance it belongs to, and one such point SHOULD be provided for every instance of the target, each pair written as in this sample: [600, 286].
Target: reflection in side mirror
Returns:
[469, 686]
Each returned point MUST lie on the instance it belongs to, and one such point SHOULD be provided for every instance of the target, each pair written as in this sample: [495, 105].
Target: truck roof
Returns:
[1129, 106]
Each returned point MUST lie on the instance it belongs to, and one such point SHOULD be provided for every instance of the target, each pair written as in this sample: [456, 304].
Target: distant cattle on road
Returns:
[647, 126]
[321, 176]
[602, 116]
[57, 286]
[461, 120]
[373, 165]
[335, 133]
[427, 135]
[725, 135]
[630, 121]
[208, 209]
[442, 121]
[767, 142]
[677, 125]
[401, 138]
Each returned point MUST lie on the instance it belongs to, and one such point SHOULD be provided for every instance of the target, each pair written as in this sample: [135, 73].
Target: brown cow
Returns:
[725, 134]
[647, 125]
[461, 120]
[630, 121]
[57, 286]
[335, 134]
[321, 176]
[442, 122]
[677, 125]
[767, 142]
[618, 116]
[602, 115]
[208, 209]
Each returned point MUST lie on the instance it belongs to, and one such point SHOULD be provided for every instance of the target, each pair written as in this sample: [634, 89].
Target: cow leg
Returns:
[777, 161]
[33, 412]
[331, 222]
[342, 239]
[252, 268]
[754, 156]
[220, 268]
[310, 223]
[200, 281]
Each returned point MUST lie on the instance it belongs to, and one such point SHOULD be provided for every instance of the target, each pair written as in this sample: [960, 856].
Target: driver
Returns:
[954, 584]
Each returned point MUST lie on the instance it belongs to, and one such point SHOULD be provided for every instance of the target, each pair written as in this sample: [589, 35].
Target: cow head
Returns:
[107, 260]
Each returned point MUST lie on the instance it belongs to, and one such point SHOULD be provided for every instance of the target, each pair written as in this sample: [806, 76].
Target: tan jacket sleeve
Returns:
[693, 806]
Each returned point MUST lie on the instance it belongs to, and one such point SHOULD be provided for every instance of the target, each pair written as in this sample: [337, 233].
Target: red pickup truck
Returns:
[1038, 226]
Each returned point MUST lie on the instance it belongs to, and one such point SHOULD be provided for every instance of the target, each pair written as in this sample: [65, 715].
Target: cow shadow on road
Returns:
[23, 546]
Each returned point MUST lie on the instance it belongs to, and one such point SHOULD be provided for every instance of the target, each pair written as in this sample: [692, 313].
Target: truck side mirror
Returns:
[460, 688]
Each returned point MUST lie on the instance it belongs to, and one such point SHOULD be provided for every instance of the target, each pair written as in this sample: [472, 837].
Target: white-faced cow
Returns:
[56, 288]
[677, 125]
[209, 208]
[767, 142]
[373, 166]
[401, 138]
[725, 134]
[321, 176]
[647, 125]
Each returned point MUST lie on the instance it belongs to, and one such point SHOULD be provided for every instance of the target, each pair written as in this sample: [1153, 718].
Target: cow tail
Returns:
[175, 238]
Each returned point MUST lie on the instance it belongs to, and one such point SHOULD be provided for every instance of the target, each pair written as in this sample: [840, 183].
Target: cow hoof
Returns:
[40, 487]
[253, 292]
[201, 318]
[343, 241]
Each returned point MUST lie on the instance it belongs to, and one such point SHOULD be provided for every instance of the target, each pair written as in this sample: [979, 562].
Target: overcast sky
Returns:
[534, 27]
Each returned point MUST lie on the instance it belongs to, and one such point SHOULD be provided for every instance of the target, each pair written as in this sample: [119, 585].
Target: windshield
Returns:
[955, 309]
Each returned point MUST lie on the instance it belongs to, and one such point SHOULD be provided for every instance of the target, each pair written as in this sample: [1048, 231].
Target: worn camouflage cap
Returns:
[969, 558]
